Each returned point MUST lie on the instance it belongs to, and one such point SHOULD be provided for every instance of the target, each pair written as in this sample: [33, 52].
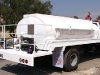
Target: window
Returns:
[95, 24]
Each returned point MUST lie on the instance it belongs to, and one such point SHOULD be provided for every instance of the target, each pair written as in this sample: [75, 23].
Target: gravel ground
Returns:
[88, 64]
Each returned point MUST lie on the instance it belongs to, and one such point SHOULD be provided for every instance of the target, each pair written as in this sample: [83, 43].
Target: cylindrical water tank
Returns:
[45, 24]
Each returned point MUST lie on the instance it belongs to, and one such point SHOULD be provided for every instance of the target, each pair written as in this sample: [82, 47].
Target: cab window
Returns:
[95, 24]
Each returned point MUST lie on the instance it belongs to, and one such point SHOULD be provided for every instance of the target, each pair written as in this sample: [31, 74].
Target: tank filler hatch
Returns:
[31, 29]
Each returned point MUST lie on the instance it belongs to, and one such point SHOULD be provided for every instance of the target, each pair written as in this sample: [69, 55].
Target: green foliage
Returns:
[76, 17]
[13, 10]
[98, 18]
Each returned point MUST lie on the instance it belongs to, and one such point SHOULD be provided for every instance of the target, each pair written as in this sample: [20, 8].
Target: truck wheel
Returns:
[71, 59]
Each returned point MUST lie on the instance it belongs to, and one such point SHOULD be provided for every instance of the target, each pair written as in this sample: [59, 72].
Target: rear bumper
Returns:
[15, 56]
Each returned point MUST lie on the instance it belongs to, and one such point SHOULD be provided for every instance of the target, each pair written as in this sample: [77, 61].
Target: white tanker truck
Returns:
[62, 37]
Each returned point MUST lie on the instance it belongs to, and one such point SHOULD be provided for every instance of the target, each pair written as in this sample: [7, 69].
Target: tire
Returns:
[71, 60]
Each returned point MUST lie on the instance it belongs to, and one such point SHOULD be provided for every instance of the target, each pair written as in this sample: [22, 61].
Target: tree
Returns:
[13, 10]
[1, 20]
[98, 18]
[76, 17]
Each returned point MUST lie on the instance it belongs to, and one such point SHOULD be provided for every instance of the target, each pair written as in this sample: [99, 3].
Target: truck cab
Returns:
[97, 24]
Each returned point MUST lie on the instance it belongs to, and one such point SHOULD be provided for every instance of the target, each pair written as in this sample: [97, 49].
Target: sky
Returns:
[78, 8]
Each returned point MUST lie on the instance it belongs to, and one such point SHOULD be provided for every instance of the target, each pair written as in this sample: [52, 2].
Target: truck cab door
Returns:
[98, 25]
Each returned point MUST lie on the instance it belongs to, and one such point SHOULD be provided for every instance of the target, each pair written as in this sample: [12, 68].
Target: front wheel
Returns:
[71, 59]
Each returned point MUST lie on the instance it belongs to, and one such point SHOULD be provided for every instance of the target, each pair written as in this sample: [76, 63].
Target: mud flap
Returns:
[57, 57]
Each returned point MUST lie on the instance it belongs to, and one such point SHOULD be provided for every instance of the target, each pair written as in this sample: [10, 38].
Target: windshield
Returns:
[96, 24]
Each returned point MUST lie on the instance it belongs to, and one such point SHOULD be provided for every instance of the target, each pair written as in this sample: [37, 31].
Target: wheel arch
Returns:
[67, 48]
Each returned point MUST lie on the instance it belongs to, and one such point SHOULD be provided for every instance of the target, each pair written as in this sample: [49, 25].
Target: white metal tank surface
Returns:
[60, 27]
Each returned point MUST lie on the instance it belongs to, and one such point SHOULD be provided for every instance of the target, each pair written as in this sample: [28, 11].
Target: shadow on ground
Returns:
[38, 69]
[89, 56]
[43, 69]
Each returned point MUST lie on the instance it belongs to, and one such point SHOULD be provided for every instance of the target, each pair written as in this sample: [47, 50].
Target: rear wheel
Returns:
[71, 59]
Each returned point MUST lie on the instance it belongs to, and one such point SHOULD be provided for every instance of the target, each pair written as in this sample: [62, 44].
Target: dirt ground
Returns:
[89, 65]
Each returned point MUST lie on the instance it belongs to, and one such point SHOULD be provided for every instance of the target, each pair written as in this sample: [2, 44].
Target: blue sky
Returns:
[79, 8]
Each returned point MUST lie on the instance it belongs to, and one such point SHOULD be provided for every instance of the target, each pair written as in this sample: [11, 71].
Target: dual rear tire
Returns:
[71, 59]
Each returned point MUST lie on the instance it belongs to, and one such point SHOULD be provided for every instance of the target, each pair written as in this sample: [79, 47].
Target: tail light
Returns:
[1, 55]
[20, 60]
[23, 60]
[26, 61]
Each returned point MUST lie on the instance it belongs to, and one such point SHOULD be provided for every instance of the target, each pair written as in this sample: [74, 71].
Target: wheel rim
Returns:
[73, 59]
